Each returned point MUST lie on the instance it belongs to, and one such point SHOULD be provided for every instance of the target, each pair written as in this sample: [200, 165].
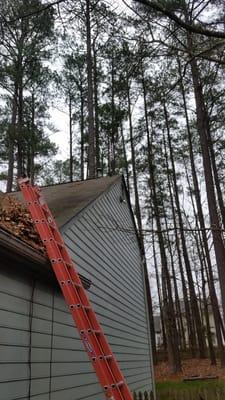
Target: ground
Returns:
[189, 368]
[172, 387]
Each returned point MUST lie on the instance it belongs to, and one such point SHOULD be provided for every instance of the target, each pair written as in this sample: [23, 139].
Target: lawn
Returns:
[172, 387]
[196, 390]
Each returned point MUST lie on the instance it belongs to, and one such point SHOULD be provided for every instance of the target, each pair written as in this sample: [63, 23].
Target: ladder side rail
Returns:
[64, 278]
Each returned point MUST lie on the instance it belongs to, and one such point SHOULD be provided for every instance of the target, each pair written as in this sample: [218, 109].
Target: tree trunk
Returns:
[32, 147]
[190, 324]
[20, 127]
[108, 155]
[168, 307]
[148, 138]
[193, 298]
[205, 302]
[136, 195]
[113, 156]
[81, 135]
[10, 163]
[98, 164]
[179, 319]
[125, 157]
[70, 139]
[216, 177]
[206, 313]
[91, 130]
[159, 292]
[210, 277]
[11, 138]
[202, 122]
[139, 223]
[150, 309]
[203, 268]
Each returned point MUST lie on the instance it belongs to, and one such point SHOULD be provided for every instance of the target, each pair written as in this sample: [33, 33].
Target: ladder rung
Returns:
[79, 305]
[69, 282]
[97, 332]
[44, 221]
[37, 203]
[69, 264]
[59, 244]
[108, 357]
[51, 225]
[51, 240]
[77, 285]
[86, 307]
[43, 206]
[113, 385]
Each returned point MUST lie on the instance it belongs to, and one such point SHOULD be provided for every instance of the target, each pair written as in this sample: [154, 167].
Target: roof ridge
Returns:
[81, 180]
[71, 182]
[66, 200]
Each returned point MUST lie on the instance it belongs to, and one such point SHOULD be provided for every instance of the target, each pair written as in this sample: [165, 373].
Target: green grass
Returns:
[164, 385]
[195, 390]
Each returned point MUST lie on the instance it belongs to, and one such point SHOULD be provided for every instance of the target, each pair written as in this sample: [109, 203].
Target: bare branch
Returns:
[30, 14]
[199, 30]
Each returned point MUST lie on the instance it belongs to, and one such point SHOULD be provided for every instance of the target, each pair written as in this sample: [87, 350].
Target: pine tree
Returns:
[24, 44]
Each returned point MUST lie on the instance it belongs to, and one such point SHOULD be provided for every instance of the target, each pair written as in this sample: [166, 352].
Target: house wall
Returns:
[103, 243]
[41, 356]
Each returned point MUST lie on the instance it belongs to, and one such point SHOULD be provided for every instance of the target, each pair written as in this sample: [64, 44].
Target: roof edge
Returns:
[132, 215]
[11, 245]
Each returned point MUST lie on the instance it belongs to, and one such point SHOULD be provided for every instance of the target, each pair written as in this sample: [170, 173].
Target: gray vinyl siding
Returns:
[40, 353]
[104, 246]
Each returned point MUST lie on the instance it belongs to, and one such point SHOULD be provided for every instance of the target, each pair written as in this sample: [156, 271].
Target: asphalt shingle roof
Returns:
[67, 199]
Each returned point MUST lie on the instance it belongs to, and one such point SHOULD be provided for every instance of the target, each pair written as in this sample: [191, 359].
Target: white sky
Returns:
[60, 120]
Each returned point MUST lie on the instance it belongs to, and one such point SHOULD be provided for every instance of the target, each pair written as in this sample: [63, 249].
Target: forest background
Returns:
[141, 84]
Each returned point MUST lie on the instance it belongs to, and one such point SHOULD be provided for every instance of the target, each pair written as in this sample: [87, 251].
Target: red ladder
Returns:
[95, 343]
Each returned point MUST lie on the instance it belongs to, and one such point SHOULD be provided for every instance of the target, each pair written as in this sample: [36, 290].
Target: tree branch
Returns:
[30, 14]
[199, 30]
